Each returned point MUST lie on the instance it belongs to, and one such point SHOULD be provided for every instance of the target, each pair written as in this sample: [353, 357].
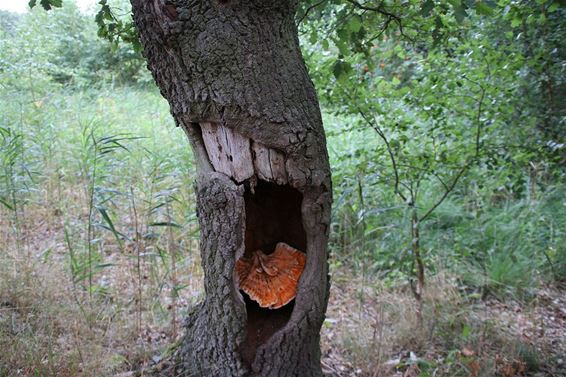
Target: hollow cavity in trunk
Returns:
[273, 215]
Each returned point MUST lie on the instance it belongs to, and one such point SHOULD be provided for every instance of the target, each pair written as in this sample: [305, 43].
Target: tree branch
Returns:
[446, 192]
[449, 189]
[309, 9]
[376, 128]
[379, 9]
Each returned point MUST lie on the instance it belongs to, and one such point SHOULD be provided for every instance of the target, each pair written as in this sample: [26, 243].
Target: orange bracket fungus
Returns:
[271, 280]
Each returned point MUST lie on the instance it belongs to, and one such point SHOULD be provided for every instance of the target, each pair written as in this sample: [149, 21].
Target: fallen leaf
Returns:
[468, 352]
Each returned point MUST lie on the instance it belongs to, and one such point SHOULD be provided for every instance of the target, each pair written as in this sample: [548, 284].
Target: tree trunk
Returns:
[234, 76]
[418, 290]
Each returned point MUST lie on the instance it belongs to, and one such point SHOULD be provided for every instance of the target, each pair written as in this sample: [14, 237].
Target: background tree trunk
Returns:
[236, 82]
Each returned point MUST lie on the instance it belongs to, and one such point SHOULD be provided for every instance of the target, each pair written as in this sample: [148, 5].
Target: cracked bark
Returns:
[234, 69]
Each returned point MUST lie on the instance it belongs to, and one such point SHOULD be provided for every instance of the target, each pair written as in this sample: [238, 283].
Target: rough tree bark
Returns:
[236, 82]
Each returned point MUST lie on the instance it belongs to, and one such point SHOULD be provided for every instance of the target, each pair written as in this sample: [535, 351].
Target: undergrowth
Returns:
[100, 255]
[99, 249]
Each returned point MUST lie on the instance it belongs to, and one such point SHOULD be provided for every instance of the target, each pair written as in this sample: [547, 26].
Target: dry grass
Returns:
[372, 330]
[49, 325]
[370, 325]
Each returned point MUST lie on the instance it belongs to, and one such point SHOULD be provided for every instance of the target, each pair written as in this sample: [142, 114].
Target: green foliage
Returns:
[116, 29]
[112, 26]
[451, 111]
[46, 4]
[62, 47]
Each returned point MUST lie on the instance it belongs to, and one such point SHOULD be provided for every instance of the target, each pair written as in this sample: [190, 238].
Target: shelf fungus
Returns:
[271, 280]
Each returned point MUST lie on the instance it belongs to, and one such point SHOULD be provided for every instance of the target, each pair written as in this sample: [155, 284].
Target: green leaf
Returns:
[313, 37]
[337, 69]
[460, 13]
[342, 47]
[343, 34]
[137, 45]
[466, 331]
[484, 9]
[48, 4]
[107, 219]
[341, 69]
[355, 23]
[5, 203]
[553, 7]
[427, 7]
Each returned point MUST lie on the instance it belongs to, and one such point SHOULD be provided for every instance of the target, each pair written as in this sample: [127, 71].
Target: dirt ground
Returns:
[51, 326]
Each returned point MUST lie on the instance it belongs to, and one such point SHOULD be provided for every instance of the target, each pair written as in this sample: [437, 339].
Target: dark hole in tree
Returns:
[273, 215]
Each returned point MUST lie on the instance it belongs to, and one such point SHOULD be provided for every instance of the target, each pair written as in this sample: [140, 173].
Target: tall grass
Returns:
[104, 181]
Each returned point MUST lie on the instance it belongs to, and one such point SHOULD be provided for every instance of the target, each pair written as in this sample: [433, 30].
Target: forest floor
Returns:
[372, 331]
[50, 326]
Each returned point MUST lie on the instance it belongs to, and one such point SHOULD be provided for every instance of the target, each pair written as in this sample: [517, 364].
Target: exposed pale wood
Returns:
[269, 164]
[216, 148]
[229, 152]
[242, 164]
[278, 171]
[261, 162]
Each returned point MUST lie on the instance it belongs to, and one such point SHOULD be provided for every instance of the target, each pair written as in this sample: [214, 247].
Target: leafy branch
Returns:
[383, 137]
[46, 4]
[389, 17]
